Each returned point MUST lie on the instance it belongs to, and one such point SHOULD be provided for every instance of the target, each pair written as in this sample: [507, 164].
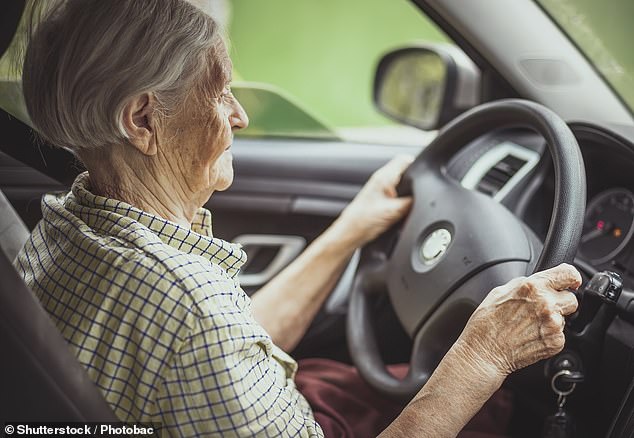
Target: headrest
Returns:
[10, 15]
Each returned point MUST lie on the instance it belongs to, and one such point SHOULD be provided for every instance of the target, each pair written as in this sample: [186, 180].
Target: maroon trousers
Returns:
[346, 407]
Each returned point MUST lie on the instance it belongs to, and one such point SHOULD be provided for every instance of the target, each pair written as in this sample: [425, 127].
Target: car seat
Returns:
[13, 232]
[41, 380]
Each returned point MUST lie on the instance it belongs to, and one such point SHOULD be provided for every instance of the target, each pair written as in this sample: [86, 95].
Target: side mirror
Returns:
[426, 86]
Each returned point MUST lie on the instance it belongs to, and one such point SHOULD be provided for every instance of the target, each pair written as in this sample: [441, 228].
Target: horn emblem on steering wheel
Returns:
[435, 246]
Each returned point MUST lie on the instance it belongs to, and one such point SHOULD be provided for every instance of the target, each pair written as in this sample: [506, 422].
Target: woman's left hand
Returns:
[376, 207]
[286, 314]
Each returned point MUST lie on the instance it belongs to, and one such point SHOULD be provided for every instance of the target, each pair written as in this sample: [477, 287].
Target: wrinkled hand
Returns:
[522, 321]
[376, 207]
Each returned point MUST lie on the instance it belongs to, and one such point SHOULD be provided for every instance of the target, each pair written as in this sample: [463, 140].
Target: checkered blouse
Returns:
[155, 314]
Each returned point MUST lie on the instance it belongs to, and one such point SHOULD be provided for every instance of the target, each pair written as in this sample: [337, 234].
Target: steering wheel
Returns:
[458, 244]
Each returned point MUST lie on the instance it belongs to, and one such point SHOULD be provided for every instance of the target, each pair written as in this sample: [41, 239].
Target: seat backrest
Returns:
[13, 232]
[41, 380]
[9, 21]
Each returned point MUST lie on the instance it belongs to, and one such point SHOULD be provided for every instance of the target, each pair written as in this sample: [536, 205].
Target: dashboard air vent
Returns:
[498, 175]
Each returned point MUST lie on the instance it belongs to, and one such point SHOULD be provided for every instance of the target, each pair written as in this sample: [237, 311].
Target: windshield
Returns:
[599, 30]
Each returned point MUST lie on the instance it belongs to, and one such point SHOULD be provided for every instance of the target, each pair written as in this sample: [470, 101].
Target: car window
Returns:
[302, 69]
[10, 86]
[323, 55]
[600, 30]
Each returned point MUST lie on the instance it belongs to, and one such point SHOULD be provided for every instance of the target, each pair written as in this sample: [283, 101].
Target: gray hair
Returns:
[87, 59]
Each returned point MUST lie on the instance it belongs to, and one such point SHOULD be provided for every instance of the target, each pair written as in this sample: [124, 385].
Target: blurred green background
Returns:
[323, 53]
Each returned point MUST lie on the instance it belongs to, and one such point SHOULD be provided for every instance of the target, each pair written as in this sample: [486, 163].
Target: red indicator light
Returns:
[600, 225]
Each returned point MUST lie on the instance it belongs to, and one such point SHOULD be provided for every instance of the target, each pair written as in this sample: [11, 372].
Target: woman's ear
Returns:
[140, 123]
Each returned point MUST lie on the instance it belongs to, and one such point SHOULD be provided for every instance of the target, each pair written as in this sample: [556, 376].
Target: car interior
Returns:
[531, 166]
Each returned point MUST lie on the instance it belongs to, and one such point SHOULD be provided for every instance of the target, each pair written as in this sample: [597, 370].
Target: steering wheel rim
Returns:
[469, 261]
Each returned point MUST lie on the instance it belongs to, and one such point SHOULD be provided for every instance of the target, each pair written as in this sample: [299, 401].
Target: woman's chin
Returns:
[224, 186]
[224, 181]
[221, 173]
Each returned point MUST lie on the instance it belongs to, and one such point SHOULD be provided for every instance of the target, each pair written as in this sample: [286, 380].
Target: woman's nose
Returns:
[238, 119]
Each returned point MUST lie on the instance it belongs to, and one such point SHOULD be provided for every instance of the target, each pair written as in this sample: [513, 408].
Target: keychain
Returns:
[561, 425]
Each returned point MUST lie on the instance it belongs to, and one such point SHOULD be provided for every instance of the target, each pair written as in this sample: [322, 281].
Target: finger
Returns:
[560, 277]
[401, 205]
[402, 161]
[566, 303]
[558, 320]
[394, 169]
[390, 175]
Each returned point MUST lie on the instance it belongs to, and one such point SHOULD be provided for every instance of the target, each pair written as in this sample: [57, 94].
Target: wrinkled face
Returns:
[201, 135]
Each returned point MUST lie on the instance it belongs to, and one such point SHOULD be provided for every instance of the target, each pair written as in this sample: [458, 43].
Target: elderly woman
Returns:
[148, 299]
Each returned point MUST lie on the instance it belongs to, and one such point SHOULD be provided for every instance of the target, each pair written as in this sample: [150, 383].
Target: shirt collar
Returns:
[198, 240]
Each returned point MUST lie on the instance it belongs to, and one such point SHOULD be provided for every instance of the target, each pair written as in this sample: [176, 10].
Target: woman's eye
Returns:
[225, 96]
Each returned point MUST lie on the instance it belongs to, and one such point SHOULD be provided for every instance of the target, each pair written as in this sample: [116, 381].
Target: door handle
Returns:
[289, 248]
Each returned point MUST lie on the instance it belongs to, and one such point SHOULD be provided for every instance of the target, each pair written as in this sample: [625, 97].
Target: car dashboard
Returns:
[607, 237]
[514, 167]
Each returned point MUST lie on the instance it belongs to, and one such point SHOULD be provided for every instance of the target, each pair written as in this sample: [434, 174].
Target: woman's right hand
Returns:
[522, 321]
[516, 325]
